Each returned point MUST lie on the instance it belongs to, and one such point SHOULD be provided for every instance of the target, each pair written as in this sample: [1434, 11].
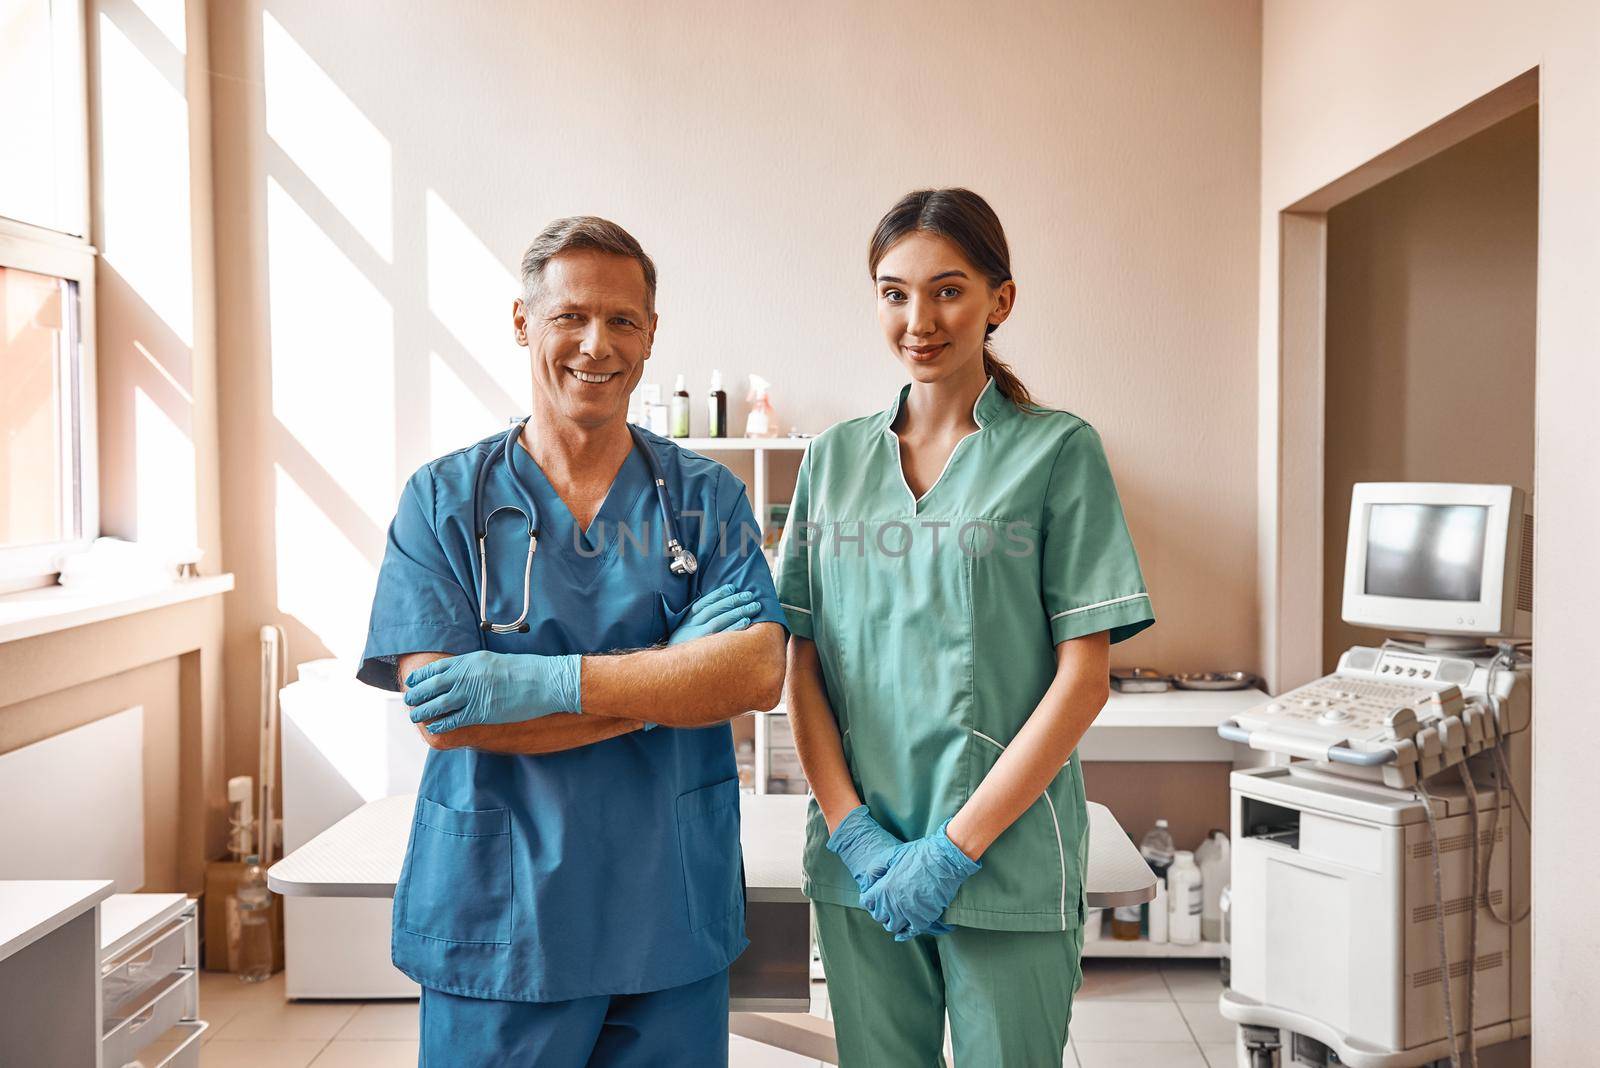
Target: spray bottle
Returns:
[760, 423]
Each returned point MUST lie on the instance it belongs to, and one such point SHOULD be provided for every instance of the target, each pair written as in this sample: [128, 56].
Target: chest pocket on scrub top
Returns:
[460, 882]
[669, 617]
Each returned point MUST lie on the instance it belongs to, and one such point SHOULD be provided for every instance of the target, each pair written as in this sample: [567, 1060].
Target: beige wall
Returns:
[1341, 83]
[379, 171]
[372, 203]
[1430, 334]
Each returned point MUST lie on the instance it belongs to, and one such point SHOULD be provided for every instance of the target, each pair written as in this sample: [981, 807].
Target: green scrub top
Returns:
[935, 620]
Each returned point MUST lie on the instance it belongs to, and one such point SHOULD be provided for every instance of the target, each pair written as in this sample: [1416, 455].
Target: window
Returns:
[43, 124]
[48, 504]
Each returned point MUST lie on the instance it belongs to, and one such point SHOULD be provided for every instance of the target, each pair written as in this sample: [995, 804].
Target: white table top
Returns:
[126, 918]
[32, 908]
[1202, 709]
[361, 855]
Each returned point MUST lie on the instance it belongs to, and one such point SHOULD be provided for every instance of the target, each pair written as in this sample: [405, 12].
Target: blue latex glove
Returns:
[866, 848]
[724, 608]
[921, 882]
[483, 687]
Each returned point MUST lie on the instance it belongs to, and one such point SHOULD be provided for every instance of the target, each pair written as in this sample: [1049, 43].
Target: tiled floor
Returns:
[1129, 1014]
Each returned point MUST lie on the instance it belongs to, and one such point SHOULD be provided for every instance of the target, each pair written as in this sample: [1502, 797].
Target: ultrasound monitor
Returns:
[1441, 559]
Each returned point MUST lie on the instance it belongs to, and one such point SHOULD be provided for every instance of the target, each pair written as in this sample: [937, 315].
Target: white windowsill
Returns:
[31, 613]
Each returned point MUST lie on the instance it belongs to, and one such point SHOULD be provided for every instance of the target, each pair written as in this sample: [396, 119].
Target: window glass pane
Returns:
[41, 122]
[36, 317]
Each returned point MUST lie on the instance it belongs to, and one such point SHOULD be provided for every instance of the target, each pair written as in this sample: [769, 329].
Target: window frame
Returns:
[48, 252]
[69, 38]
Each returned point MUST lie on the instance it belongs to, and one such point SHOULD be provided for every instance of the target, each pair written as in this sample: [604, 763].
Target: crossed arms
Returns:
[693, 684]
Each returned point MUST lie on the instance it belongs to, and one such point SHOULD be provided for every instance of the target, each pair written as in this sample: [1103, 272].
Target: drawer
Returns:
[178, 1048]
[166, 1004]
[125, 981]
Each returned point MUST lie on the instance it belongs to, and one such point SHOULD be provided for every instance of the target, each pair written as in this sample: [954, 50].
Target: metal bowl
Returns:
[1214, 680]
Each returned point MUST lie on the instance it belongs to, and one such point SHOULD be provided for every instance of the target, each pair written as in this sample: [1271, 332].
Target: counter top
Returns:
[32, 908]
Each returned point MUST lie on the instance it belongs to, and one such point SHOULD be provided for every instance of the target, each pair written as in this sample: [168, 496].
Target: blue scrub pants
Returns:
[682, 1025]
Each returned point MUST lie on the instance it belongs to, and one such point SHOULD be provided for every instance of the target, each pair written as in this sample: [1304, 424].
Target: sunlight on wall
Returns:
[332, 357]
[323, 580]
[470, 292]
[456, 417]
[167, 16]
[164, 474]
[144, 162]
[328, 138]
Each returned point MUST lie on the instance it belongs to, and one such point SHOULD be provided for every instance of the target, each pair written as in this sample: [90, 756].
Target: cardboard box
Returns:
[217, 911]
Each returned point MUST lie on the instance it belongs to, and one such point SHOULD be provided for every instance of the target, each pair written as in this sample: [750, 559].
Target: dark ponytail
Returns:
[967, 221]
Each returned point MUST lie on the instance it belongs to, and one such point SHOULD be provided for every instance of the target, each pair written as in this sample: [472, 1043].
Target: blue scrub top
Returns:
[613, 868]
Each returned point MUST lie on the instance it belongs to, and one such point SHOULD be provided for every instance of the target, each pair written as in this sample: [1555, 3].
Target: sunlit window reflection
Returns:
[324, 581]
[164, 474]
[470, 292]
[167, 16]
[455, 416]
[332, 357]
[144, 189]
[328, 137]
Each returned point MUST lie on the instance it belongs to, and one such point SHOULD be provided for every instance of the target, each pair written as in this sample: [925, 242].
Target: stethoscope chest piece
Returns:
[683, 561]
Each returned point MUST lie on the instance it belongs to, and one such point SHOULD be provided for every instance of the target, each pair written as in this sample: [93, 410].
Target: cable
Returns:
[1508, 651]
[1505, 768]
[1472, 916]
[1438, 901]
[1502, 775]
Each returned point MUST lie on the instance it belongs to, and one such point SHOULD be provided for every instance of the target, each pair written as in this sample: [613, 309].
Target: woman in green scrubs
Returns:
[954, 570]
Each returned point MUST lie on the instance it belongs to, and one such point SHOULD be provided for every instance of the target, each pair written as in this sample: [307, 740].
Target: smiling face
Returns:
[588, 332]
[935, 307]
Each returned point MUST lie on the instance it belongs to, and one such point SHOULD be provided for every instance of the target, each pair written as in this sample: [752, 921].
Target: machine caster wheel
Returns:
[1262, 1044]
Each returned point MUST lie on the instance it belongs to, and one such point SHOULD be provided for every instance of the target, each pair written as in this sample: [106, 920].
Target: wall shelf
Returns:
[744, 444]
[1110, 947]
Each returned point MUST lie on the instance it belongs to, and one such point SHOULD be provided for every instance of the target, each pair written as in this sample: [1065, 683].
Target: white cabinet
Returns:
[149, 981]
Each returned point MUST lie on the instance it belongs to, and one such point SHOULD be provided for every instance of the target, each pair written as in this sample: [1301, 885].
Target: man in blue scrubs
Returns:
[573, 888]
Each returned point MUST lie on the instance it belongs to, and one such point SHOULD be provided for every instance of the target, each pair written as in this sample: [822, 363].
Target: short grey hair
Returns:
[583, 232]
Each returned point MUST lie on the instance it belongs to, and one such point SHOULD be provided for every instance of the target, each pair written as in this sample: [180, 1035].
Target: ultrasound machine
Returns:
[1380, 884]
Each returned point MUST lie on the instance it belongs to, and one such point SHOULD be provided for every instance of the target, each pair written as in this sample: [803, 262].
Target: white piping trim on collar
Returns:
[1100, 604]
[888, 428]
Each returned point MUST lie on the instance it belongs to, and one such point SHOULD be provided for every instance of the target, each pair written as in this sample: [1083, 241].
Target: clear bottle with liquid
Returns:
[250, 934]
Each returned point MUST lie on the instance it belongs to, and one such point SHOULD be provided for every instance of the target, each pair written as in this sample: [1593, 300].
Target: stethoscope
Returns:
[683, 561]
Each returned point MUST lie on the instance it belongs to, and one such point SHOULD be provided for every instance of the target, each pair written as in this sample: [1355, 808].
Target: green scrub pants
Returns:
[1008, 993]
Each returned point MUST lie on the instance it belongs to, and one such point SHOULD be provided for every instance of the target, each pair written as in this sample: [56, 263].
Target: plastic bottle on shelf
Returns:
[679, 420]
[1184, 900]
[654, 409]
[1157, 852]
[1157, 848]
[717, 408]
[760, 423]
[1212, 857]
[1158, 913]
[252, 933]
[1125, 923]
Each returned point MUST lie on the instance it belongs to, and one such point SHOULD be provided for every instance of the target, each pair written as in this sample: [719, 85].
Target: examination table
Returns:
[360, 856]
